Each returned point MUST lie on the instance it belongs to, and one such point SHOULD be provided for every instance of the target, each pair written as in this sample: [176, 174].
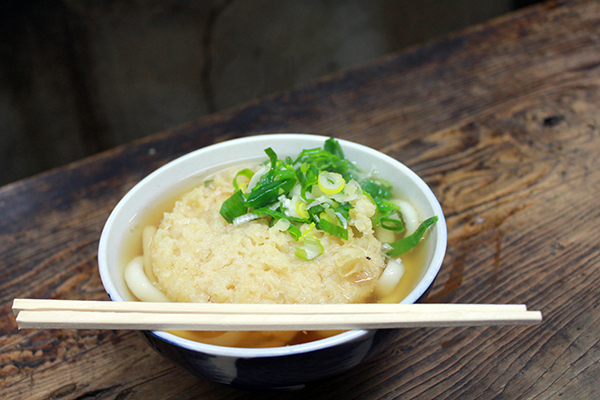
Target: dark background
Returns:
[80, 77]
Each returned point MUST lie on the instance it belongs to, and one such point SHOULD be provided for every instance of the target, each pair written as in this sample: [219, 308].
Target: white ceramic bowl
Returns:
[264, 368]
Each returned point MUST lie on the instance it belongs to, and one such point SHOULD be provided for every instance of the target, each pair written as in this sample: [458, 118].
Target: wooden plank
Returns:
[501, 120]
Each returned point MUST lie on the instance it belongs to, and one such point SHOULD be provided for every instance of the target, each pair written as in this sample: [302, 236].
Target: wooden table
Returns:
[502, 120]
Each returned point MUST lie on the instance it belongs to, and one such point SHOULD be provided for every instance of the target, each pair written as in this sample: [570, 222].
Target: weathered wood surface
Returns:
[501, 120]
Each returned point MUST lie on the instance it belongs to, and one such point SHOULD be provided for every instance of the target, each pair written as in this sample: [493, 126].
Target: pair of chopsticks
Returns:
[80, 314]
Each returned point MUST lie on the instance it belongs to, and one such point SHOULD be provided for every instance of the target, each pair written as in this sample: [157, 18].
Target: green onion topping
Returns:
[234, 206]
[405, 244]
[315, 189]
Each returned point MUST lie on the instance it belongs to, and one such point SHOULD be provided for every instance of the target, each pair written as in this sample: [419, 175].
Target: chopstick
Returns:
[81, 314]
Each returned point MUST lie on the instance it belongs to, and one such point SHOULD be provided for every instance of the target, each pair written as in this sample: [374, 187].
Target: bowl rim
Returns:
[243, 352]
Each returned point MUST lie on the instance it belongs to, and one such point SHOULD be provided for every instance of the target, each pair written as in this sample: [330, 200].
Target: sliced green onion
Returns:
[281, 224]
[286, 173]
[294, 231]
[305, 153]
[285, 225]
[246, 173]
[403, 245]
[327, 215]
[266, 211]
[315, 213]
[352, 191]
[311, 248]
[333, 146]
[331, 183]
[330, 158]
[309, 231]
[306, 186]
[392, 224]
[268, 193]
[375, 189]
[234, 206]
[344, 209]
[257, 177]
[301, 209]
[272, 157]
[343, 220]
[242, 219]
[322, 163]
[385, 184]
[385, 207]
[333, 229]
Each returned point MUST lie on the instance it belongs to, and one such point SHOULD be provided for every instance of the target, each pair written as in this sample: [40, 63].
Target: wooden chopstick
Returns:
[77, 314]
[218, 308]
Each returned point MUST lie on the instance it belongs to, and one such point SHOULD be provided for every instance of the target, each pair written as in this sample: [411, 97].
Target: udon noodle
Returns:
[280, 253]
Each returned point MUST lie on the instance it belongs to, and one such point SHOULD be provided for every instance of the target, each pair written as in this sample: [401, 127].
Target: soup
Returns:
[309, 230]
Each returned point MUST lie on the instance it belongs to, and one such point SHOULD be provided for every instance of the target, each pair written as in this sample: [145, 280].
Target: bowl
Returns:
[289, 367]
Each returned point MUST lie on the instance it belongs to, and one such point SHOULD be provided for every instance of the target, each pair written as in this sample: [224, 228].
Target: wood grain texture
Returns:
[501, 120]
